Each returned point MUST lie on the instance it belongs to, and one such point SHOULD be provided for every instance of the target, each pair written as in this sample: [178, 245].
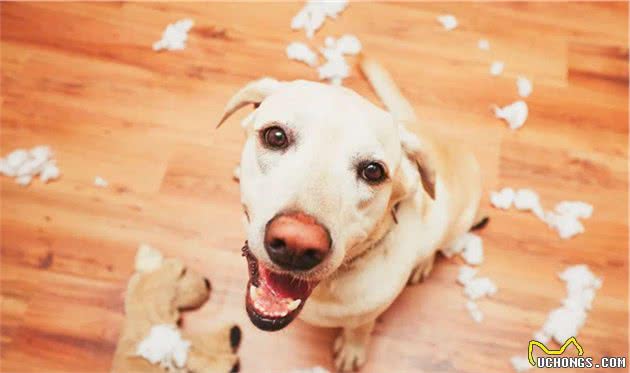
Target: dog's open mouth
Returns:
[272, 299]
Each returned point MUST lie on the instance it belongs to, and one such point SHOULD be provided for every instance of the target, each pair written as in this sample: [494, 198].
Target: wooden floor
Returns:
[83, 78]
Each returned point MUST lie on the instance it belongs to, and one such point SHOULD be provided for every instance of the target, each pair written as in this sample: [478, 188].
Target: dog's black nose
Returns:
[296, 241]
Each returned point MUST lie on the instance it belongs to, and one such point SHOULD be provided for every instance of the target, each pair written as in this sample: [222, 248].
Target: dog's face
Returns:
[320, 169]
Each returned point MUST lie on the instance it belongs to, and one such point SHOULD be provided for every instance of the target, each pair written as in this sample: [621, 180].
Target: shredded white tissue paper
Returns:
[346, 44]
[24, 165]
[528, 200]
[515, 114]
[581, 286]
[448, 21]
[520, 363]
[148, 258]
[541, 337]
[479, 287]
[301, 52]
[466, 274]
[174, 36]
[473, 249]
[567, 226]
[23, 180]
[336, 68]
[483, 44]
[164, 345]
[312, 16]
[502, 199]
[14, 160]
[496, 68]
[469, 246]
[100, 182]
[577, 209]
[475, 288]
[474, 311]
[564, 219]
[50, 172]
[565, 322]
[524, 86]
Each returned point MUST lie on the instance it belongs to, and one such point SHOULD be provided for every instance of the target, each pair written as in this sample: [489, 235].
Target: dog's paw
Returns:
[421, 271]
[349, 355]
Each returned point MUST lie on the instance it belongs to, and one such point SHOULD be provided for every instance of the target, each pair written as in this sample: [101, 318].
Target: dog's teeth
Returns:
[253, 294]
[295, 304]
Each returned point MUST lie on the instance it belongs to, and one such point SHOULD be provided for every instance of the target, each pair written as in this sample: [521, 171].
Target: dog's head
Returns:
[321, 170]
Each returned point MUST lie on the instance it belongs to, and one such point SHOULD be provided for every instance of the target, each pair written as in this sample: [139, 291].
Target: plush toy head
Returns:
[156, 293]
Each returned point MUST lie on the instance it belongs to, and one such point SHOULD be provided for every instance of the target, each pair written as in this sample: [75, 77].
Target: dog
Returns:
[343, 204]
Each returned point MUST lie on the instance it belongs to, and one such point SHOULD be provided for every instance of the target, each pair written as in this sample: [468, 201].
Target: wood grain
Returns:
[82, 77]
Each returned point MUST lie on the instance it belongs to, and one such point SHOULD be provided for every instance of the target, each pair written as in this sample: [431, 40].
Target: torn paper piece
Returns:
[100, 182]
[335, 69]
[456, 247]
[479, 287]
[473, 249]
[41, 152]
[502, 199]
[24, 180]
[581, 285]
[469, 246]
[49, 172]
[164, 346]
[524, 86]
[577, 209]
[514, 114]
[466, 274]
[496, 68]
[25, 165]
[312, 16]
[527, 200]
[301, 52]
[236, 173]
[541, 337]
[347, 44]
[174, 36]
[474, 311]
[5, 169]
[15, 159]
[567, 226]
[566, 321]
[483, 44]
[520, 363]
[448, 21]
[32, 166]
[147, 258]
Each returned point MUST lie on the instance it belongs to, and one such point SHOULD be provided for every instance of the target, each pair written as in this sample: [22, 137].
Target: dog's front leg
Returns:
[350, 347]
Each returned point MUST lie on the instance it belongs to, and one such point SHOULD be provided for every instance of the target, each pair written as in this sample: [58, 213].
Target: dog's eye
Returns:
[372, 172]
[275, 138]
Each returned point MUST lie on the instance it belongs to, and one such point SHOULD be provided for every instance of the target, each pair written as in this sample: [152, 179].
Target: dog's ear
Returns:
[421, 154]
[253, 93]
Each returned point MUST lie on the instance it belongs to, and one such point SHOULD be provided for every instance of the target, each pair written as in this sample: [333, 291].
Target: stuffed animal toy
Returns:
[150, 340]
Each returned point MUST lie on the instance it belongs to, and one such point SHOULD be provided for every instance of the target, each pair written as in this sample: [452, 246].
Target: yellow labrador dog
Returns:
[344, 205]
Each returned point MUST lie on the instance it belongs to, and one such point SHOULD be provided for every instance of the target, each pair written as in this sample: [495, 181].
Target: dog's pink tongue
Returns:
[286, 286]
